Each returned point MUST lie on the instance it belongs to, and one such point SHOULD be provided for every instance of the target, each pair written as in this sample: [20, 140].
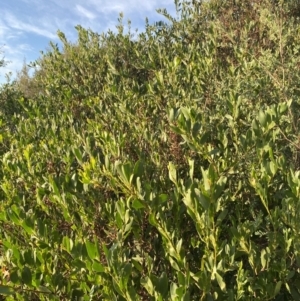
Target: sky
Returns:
[27, 26]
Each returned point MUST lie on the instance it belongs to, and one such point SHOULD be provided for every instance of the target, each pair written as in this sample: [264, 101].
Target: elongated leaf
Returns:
[162, 284]
[263, 260]
[221, 282]
[91, 250]
[44, 289]
[206, 180]
[67, 244]
[13, 217]
[28, 226]
[54, 187]
[6, 290]
[98, 267]
[137, 204]
[26, 276]
[262, 118]
[78, 155]
[148, 285]
[277, 288]
[202, 199]
[172, 173]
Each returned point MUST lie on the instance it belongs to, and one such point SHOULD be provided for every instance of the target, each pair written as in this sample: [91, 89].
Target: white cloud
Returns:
[130, 6]
[3, 30]
[11, 67]
[14, 23]
[24, 47]
[36, 2]
[86, 13]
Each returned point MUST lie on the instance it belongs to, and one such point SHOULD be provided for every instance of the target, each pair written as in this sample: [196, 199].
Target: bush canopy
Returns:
[163, 165]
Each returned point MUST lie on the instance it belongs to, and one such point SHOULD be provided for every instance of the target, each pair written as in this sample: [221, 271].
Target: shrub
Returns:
[161, 167]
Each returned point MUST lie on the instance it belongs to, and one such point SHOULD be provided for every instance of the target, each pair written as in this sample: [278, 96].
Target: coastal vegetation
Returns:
[163, 165]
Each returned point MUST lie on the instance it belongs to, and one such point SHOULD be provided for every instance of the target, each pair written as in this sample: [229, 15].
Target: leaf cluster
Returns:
[157, 166]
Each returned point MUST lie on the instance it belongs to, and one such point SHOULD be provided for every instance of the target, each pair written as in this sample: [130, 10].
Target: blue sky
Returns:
[27, 26]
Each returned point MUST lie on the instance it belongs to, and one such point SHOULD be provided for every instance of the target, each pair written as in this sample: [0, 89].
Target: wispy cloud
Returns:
[86, 13]
[130, 6]
[14, 23]
[14, 62]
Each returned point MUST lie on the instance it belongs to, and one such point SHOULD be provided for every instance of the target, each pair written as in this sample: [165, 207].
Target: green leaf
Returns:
[172, 114]
[174, 264]
[148, 285]
[206, 180]
[273, 168]
[126, 171]
[78, 155]
[295, 293]
[173, 291]
[290, 275]
[162, 284]
[54, 186]
[277, 288]
[186, 296]
[92, 250]
[14, 277]
[13, 217]
[181, 278]
[29, 257]
[202, 199]
[138, 168]
[6, 290]
[263, 260]
[262, 118]
[137, 263]
[28, 226]
[192, 168]
[196, 128]
[139, 187]
[172, 173]
[79, 264]
[283, 107]
[176, 61]
[163, 198]
[3, 216]
[121, 208]
[67, 244]
[77, 294]
[125, 273]
[204, 138]
[98, 267]
[221, 282]
[160, 77]
[178, 246]
[137, 204]
[44, 289]
[26, 276]
[255, 125]
[112, 69]
[221, 216]
[219, 187]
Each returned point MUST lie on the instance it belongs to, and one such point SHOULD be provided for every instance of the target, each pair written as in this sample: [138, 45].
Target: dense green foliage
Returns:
[163, 166]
